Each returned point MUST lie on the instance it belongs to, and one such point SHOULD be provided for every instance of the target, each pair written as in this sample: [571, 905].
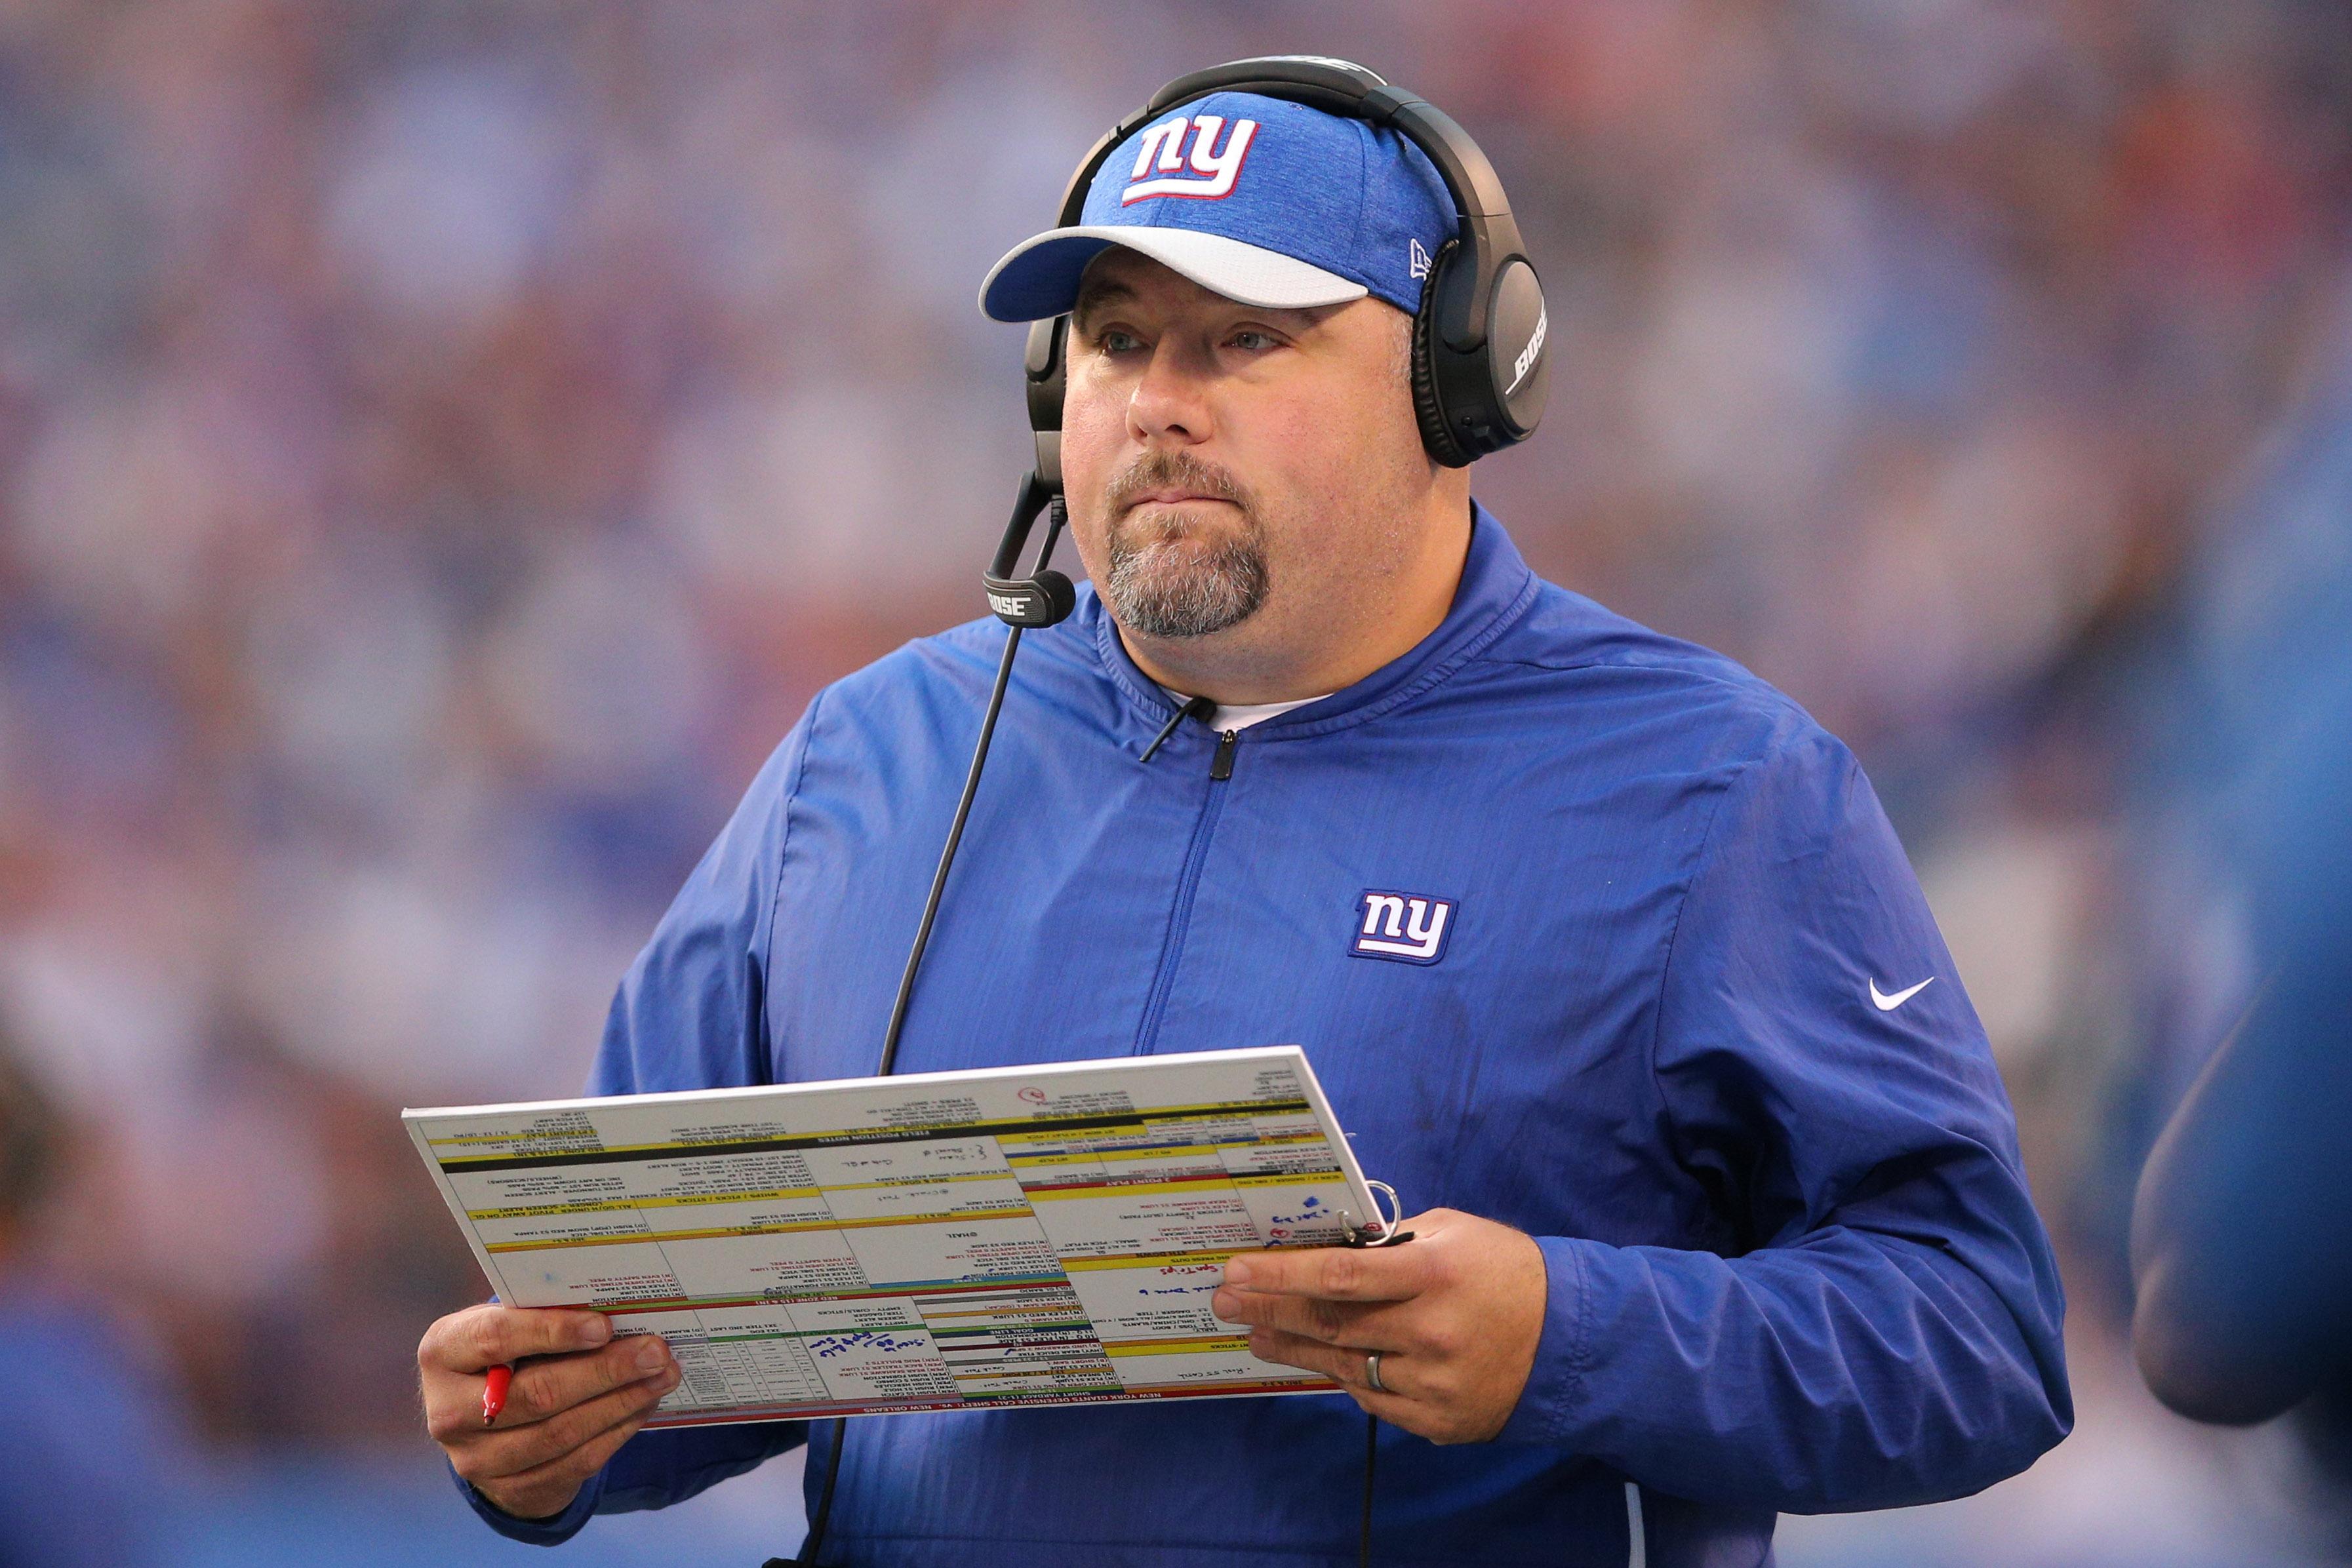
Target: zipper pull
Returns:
[1221, 767]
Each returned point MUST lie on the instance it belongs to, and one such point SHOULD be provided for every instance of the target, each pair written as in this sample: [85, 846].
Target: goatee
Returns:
[1161, 583]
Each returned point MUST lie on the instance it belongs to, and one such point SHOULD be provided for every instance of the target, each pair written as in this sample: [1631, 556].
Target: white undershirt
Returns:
[1247, 714]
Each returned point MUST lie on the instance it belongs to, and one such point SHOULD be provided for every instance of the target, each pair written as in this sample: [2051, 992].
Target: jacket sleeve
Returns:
[1881, 1324]
[691, 1014]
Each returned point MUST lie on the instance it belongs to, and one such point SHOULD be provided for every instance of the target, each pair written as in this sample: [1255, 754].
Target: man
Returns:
[1733, 1220]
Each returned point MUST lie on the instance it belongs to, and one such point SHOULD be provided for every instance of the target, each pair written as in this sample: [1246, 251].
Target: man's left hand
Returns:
[1455, 1315]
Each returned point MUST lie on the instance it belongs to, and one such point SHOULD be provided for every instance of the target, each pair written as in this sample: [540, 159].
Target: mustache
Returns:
[1175, 470]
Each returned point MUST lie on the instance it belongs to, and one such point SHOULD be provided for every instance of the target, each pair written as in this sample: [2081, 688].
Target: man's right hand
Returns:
[579, 1396]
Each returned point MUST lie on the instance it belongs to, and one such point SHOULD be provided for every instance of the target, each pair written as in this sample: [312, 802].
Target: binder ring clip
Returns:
[1380, 1232]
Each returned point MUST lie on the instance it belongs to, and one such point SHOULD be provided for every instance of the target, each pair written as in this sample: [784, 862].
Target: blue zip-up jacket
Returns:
[1792, 1263]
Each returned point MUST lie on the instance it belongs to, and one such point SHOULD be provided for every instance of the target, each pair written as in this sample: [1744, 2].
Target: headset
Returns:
[1480, 374]
[1479, 380]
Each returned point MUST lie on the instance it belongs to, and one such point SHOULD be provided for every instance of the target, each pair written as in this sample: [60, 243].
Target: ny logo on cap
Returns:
[1163, 149]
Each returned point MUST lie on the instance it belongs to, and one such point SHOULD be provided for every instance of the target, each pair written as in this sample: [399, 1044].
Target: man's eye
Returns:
[1249, 340]
[1116, 340]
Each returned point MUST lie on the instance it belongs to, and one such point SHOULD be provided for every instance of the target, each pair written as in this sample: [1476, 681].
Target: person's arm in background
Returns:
[1881, 1326]
[690, 1014]
[2242, 1236]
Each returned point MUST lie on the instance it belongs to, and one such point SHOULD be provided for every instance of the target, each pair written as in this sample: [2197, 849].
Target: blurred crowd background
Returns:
[443, 446]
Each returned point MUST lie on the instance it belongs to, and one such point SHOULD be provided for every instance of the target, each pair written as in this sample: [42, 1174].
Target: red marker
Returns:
[494, 1393]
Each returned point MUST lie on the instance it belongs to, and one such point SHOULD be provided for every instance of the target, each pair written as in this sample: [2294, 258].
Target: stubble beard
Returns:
[1165, 582]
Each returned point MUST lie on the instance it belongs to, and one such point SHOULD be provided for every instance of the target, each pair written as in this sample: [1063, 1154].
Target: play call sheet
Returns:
[1016, 1236]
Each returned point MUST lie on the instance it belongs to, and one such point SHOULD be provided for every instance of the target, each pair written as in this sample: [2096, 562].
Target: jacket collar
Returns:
[1496, 590]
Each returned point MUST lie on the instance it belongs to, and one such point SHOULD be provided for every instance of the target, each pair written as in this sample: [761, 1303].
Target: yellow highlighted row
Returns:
[1220, 1345]
[703, 1199]
[785, 1229]
[983, 1128]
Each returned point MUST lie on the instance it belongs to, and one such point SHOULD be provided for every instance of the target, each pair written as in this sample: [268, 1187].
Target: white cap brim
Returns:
[1039, 276]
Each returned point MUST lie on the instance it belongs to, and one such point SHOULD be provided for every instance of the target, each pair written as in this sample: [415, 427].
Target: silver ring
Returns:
[1372, 1371]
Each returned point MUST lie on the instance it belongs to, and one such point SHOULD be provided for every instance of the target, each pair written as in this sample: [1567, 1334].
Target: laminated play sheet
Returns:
[1008, 1237]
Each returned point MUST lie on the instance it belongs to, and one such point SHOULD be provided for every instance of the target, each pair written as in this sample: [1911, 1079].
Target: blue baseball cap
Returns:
[1260, 200]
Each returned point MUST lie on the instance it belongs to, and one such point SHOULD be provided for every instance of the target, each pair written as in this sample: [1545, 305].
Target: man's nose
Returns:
[1171, 399]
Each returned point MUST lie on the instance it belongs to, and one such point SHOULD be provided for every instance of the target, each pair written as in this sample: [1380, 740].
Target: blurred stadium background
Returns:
[443, 445]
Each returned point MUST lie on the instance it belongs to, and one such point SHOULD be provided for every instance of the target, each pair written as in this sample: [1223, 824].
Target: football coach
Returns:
[1601, 947]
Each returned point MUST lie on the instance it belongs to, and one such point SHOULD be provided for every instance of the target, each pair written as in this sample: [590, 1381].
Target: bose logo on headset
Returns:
[1164, 143]
[1528, 355]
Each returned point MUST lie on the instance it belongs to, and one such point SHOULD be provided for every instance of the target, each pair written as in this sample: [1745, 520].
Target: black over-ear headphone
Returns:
[1479, 372]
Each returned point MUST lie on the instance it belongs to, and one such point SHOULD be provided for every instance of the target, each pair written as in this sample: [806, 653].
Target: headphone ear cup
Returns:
[1041, 368]
[1428, 406]
[1046, 371]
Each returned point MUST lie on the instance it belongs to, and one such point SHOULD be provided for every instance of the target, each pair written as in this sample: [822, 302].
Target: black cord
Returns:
[946, 856]
[815, 1540]
[1056, 519]
[1199, 708]
[809, 1547]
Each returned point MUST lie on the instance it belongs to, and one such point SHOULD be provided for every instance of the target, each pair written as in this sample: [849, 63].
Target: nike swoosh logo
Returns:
[1887, 1004]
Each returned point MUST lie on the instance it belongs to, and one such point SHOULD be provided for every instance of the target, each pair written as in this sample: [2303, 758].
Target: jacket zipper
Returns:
[1171, 949]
